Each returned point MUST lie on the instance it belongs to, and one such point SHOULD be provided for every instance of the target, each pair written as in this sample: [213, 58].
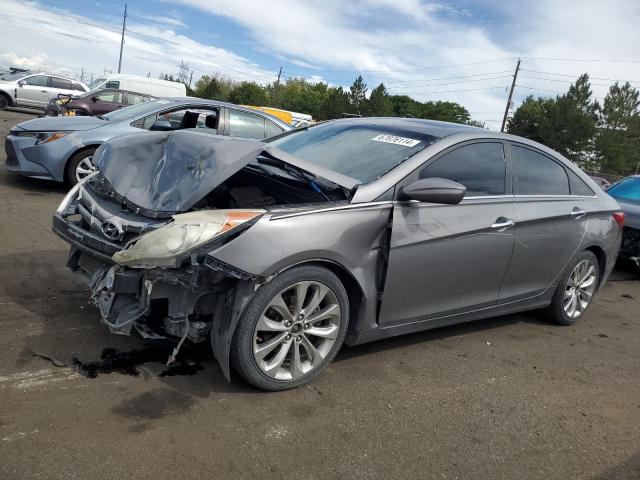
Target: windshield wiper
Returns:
[296, 172]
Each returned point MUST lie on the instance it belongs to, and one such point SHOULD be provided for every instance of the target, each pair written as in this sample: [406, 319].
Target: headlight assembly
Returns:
[188, 231]
[41, 137]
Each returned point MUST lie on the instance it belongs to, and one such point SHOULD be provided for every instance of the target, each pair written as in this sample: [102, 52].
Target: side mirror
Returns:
[434, 190]
[94, 99]
[22, 83]
[161, 126]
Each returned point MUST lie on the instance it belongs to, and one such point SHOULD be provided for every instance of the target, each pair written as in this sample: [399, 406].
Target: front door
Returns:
[448, 259]
[34, 91]
[551, 223]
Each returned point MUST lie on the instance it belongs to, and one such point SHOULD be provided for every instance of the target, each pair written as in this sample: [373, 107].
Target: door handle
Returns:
[578, 212]
[43, 91]
[502, 222]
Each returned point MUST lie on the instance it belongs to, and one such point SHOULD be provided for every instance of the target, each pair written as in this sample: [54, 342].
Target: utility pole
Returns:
[190, 78]
[124, 24]
[275, 88]
[513, 84]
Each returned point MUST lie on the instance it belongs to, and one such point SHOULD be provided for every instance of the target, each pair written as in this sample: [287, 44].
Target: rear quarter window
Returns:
[536, 174]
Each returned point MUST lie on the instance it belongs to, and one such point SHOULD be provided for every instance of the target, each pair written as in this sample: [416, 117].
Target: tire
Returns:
[276, 348]
[4, 102]
[570, 302]
[71, 176]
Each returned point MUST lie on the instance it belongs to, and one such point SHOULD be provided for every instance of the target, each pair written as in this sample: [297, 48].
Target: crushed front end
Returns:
[176, 296]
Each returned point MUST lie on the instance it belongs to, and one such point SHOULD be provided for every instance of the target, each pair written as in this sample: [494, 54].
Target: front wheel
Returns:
[575, 290]
[291, 329]
[79, 166]
[4, 102]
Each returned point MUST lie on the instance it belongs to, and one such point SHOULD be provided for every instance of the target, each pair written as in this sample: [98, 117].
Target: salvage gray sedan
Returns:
[345, 232]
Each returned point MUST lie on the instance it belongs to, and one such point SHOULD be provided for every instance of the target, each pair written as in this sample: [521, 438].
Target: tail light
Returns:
[619, 218]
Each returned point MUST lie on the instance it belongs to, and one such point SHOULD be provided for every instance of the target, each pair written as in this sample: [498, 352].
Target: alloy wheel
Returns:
[84, 168]
[297, 330]
[579, 289]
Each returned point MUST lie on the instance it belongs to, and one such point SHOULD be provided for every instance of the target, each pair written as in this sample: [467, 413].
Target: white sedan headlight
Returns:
[187, 232]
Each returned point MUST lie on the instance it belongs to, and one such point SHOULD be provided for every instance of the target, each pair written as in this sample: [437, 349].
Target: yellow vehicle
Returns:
[294, 119]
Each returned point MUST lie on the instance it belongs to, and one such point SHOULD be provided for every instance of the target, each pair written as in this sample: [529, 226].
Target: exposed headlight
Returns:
[41, 137]
[187, 232]
[72, 194]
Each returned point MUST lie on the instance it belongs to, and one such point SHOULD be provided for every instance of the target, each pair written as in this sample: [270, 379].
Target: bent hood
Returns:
[169, 172]
[62, 124]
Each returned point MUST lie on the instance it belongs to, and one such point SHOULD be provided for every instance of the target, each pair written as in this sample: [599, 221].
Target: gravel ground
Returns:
[512, 397]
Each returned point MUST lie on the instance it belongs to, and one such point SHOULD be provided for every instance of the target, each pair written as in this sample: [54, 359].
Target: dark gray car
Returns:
[348, 231]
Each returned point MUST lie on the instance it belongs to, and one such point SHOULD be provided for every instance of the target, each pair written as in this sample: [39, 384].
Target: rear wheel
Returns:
[292, 329]
[575, 290]
[79, 166]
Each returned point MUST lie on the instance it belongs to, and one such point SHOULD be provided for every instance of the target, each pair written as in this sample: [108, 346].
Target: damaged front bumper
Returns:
[189, 302]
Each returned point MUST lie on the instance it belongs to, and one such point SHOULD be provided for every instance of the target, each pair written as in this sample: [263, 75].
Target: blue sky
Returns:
[461, 51]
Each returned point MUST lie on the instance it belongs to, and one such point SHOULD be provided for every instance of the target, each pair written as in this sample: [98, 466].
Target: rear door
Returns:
[59, 85]
[33, 91]
[107, 101]
[551, 222]
[449, 259]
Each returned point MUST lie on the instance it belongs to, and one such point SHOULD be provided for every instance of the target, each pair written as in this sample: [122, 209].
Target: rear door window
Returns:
[246, 125]
[480, 167]
[133, 99]
[110, 97]
[537, 174]
[578, 186]
[272, 129]
[112, 84]
[61, 83]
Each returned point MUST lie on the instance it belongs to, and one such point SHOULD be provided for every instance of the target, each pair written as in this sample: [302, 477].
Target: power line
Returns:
[451, 83]
[605, 60]
[450, 91]
[577, 75]
[447, 78]
[424, 67]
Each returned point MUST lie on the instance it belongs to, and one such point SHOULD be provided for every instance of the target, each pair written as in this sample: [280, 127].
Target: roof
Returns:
[434, 128]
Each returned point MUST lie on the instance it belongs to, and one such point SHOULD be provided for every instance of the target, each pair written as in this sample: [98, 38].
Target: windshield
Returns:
[95, 83]
[359, 150]
[136, 111]
[13, 76]
[629, 189]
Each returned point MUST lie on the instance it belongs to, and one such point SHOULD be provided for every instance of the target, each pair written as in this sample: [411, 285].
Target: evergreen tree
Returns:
[358, 95]
[379, 102]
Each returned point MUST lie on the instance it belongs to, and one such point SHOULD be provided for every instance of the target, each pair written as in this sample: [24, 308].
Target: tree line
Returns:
[598, 137]
[323, 101]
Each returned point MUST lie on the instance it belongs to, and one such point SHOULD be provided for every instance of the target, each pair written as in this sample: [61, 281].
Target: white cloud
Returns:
[386, 40]
[37, 36]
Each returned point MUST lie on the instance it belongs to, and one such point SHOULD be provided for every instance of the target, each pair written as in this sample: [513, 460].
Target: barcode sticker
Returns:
[407, 142]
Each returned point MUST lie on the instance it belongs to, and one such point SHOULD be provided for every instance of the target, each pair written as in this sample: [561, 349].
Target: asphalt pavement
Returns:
[504, 398]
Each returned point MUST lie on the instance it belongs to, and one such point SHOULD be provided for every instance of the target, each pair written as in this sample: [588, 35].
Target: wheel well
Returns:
[8, 97]
[80, 150]
[602, 260]
[354, 292]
